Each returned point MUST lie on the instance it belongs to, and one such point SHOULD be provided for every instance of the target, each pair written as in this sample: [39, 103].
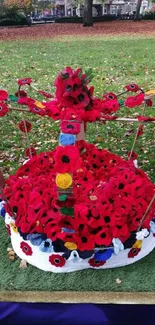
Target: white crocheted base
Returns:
[74, 263]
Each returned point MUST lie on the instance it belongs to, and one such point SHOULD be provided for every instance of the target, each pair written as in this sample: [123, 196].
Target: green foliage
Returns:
[150, 15]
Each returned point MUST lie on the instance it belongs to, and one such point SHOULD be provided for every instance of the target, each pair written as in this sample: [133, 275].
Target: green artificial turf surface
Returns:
[137, 277]
[115, 63]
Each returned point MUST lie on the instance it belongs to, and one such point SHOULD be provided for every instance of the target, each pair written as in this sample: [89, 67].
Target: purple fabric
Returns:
[75, 314]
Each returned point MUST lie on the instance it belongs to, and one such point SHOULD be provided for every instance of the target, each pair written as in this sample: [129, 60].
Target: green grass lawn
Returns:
[116, 61]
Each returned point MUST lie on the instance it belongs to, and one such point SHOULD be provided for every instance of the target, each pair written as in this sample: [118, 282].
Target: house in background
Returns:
[113, 7]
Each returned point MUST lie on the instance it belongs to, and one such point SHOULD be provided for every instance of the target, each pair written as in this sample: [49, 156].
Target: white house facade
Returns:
[114, 7]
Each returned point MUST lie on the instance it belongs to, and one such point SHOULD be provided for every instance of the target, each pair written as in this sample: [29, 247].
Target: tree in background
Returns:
[137, 14]
[87, 16]
[15, 10]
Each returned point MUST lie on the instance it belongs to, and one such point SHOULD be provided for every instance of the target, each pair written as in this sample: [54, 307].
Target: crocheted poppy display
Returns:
[77, 202]
[110, 196]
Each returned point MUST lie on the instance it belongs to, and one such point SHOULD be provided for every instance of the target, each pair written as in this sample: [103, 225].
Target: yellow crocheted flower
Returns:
[137, 244]
[150, 92]
[70, 246]
[13, 227]
[64, 180]
[39, 104]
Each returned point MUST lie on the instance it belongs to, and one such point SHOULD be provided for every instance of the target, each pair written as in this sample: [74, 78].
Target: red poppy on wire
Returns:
[24, 81]
[134, 100]
[3, 109]
[132, 87]
[30, 151]
[21, 93]
[110, 96]
[3, 95]
[21, 126]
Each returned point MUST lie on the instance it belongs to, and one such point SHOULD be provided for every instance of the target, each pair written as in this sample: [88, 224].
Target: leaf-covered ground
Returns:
[55, 30]
[116, 61]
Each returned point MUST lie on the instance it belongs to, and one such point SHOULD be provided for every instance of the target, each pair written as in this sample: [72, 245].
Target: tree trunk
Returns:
[87, 16]
[137, 15]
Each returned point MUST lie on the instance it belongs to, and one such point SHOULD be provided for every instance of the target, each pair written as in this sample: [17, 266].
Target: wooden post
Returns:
[2, 180]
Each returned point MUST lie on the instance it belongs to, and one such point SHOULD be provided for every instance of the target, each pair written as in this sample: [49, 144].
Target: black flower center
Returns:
[97, 262]
[15, 209]
[132, 86]
[81, 98]
[110, 96]
[75, 87]
[69, 88]
[103, 235]
[121, 186]
[46, 244]
[107, 219]
[65, 159]
[70, 126]
[119, 227]
[67, 223]
[84, 239]
[57, 261]
[134, 251]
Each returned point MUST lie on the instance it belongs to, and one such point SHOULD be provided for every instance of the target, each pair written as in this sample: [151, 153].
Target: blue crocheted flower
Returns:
[35, 239]
[118, 246]
[2, 210]
[103, 255]
[46, 246]
[66, 139]
[68, 230]
[152, 227]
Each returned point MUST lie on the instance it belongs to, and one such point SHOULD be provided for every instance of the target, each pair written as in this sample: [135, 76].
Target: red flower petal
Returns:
[95, 263]
[134, 156]
[132, 87]
[140, 132]
[110, 96]
[21, 126]
[26, 248]
[33, 151]
[21, 93]
[70, 127]
[133, 252]
[24, 81]
[134, 100]
[25, 101]
[3, 95]
[3, 109]
[45, 94]
[66, 159]
[145, 118]
[57, 260]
